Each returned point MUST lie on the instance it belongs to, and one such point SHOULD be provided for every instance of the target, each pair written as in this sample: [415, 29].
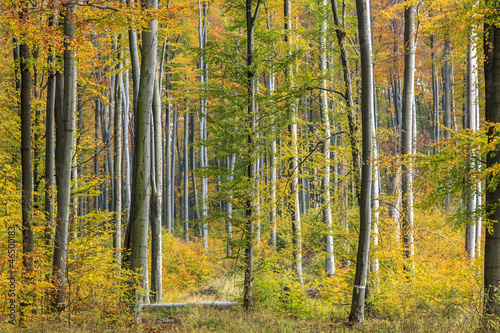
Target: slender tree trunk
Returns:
[49, 145]
[186, 175]
[65, 121]
[407, 136]
[325, 182]
[248, 297]
[470, 197]
[27, 171]
[168, 166]
[492, 110]
[136, 240]
[231, 160]
[126, 149]
[447, 100]
[156, 197]
[340, 31]
[202, 32]
[172, 170]
[362, 262]
[292, 128]
[117, 179]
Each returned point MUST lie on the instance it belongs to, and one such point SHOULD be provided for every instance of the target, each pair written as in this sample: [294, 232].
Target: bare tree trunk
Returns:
[186, 175]
[26, 169]
[202, 32]
[65, 122]
[357, 314]
[117, 179]
[292, 128]
[156, 196]
[271, 80]
[248, 297]
[172, 169]
[340, 31]
[126, 149]
[492, 111]
[325, 182]
[49, 145]
[470, 193]
[407, 136]
[168, 166]
[136, 240]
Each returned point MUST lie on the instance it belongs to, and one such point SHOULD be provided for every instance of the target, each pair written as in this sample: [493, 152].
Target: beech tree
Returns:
[136, 240]
[65, 126]
[492, 113]
[357, 314]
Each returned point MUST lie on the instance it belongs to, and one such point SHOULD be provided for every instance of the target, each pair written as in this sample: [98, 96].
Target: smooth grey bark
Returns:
[325, 150]
[117, 172]
[407, 137]
[172, 169]
[248, 295]
[168, 166]
[436, 132]
[292, 128]
[271, 81]
[492, 114]
[471, 195]
[231, 160]
[447, 70]
[126, 147]
[375, 185]
[50, 144]
[196, 210]
[134, 62]
[340, 31]
[256, 195]
[26, 171]
[156, 196]
[202, 33]
[136, 240]
[357, 314]
[186, 175]
[65, 126]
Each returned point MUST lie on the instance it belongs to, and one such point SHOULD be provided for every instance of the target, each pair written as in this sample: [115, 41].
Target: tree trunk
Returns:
[186, 175]
[156, 197]
[357, 314]
[117, 179]
[492, 110]
[407, 136]
[65, 122]
[49, 145]
[248, 297]
[136, 240]
[26, 170]
[351, 118]
[325, 181]
[126, 149]
[292, 128]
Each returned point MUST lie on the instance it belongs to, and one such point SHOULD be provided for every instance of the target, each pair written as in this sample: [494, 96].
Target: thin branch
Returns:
[435, 233]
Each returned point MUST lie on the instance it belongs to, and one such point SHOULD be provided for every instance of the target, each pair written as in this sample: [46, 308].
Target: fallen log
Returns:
[182, 305]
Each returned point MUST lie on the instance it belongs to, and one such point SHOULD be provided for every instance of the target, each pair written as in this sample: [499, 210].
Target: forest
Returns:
[249, 165]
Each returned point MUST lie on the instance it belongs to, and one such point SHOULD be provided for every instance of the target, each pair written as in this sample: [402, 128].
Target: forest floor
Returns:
[263, 319]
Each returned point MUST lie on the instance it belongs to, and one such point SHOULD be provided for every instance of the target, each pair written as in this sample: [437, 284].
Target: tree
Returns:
[325, 183]
[492, 115]
[362, 262]
[251, 17]
[136, 240]
[65, 126]
[407, 134]
[26, 161]
[294, 165]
